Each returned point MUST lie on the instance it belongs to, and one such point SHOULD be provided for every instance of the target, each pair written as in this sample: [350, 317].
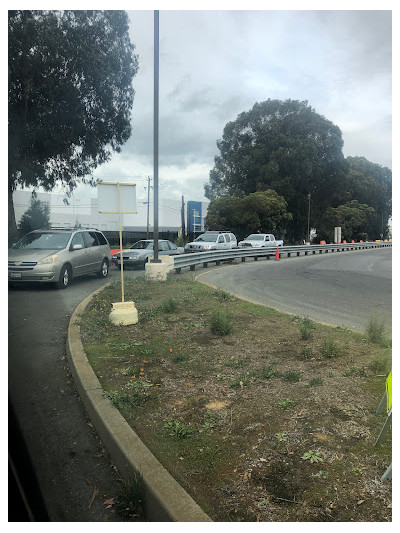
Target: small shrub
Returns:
[375, 331]
[306, 327]
[291, 375]
[219, 323]
[305, 353]
[383, 365]
[169, 305]
[330, 348]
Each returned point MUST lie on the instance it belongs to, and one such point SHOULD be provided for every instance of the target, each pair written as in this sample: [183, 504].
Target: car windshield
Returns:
[255, 237]
[207, 237]
[142, 245]
[44, 241]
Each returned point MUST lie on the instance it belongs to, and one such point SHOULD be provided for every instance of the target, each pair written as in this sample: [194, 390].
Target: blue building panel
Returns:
[194, 217]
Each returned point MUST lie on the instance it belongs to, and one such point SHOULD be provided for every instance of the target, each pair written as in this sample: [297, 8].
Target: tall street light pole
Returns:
[155, 155]
[308, 223]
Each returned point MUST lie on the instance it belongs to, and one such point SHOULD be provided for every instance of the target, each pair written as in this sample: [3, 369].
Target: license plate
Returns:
[15, 275]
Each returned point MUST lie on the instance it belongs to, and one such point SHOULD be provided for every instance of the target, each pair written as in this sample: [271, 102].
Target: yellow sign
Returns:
[389, 392]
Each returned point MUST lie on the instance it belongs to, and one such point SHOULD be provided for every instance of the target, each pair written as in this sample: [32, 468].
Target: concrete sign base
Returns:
[123, 314]
[156, 271]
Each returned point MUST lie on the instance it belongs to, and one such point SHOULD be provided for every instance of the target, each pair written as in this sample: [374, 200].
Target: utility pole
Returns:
[183, 218]
[308, 223]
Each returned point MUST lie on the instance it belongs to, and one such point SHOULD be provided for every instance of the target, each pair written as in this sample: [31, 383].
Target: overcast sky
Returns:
[216, 64]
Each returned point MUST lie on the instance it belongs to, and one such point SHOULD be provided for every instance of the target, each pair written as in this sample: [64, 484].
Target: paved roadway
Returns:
[340, 288]
[65, 450]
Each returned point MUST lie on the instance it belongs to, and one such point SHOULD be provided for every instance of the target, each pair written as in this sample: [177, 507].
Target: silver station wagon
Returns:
[58, 255]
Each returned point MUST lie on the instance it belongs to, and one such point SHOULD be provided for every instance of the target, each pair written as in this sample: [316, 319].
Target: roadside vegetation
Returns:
[260, 416]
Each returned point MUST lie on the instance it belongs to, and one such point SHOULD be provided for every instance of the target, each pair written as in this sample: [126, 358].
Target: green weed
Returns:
[178, 429]
[286, 404]
[129, 502]
[313, 457]
[291, 375]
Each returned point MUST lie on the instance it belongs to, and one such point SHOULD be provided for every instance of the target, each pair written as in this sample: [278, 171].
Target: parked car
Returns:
[58, 255]
[260, 240]
[212, 240]
[142, 251]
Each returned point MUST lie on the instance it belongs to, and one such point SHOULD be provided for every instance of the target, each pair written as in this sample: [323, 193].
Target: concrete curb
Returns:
[165, 499]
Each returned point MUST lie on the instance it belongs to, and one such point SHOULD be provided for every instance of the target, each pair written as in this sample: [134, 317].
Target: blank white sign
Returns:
[107, 194]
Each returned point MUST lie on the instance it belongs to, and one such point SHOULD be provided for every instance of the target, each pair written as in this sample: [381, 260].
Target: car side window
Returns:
[221, 238]
[172, 246]
[90, 239]
[267, 237]
[227, 237]
[100, 237]
[77, 239]
[163, 246]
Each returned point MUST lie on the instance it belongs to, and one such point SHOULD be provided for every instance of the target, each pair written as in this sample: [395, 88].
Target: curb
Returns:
[165, 499]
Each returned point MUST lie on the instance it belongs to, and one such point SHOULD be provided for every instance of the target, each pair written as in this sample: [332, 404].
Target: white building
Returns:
[84, 212]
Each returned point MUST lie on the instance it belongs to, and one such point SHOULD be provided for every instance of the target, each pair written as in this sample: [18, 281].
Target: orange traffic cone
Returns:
[277, 254]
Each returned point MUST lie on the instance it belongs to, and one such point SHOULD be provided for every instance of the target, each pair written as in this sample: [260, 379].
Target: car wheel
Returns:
[65, 277]
[103, 270]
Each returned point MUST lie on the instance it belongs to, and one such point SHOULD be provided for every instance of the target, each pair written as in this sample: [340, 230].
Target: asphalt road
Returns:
[341, 288]
[67, 456]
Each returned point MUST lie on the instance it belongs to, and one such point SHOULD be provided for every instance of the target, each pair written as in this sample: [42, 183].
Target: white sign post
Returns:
[111, 200]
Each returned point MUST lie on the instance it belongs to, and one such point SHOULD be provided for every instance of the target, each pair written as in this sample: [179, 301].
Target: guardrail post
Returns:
[243, 259]
[217, 262]
[255, 258]
[205, 265]
[298, 253]
[178, 270]
[192, 267]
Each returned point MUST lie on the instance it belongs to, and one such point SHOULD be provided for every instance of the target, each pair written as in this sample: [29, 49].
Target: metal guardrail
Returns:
[203, 258]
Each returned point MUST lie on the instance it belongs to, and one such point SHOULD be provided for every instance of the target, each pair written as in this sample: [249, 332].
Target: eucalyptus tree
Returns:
[285, 146]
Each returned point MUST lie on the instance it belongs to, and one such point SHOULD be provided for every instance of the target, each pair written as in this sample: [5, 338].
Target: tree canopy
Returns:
[287, 147]
[263, 211]
[35, 217]
[70, 94]
[354, 219]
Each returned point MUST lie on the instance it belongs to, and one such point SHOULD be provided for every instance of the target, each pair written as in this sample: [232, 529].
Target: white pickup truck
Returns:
[260, 240]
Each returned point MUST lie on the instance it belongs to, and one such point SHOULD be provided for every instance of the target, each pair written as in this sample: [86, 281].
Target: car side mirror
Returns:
[77, 247]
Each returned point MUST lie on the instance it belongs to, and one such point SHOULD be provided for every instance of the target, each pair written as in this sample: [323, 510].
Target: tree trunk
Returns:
[12, 226]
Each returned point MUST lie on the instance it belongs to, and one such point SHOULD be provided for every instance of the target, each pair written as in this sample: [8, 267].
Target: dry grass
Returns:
[237, 418]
